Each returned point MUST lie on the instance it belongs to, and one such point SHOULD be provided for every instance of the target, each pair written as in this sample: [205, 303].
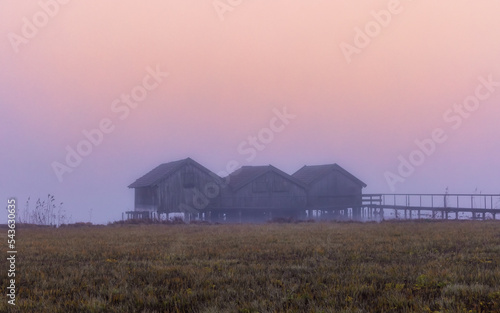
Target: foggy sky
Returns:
[228, 69]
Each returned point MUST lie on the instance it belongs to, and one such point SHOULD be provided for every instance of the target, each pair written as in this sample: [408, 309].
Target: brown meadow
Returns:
[414, 266]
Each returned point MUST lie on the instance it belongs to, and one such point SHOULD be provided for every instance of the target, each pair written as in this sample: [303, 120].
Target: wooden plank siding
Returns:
[179, 186]
[146, 199]
[334, 190]
[268, 191]
[186, 189]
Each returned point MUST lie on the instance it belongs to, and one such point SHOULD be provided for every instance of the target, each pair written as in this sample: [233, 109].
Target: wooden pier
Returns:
[434, 206]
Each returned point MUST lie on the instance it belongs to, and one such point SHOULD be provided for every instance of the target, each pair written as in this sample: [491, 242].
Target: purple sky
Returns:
[363, 81]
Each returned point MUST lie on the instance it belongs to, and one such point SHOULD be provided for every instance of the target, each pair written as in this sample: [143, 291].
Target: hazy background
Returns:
[227, 75]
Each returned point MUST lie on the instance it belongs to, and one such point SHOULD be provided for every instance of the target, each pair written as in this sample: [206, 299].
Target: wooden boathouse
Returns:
[179, 186]
[331, 190]
[256, 193]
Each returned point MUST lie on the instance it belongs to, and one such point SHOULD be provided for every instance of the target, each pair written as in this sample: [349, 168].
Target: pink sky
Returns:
[226, 76]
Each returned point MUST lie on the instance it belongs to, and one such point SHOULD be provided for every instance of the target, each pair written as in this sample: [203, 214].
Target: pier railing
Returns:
[439, 205]
[464, 201]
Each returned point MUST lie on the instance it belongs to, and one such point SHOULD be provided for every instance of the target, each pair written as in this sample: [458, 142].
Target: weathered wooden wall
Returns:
[187, 188]
[334, 189]
[269, 191]
[146, 199]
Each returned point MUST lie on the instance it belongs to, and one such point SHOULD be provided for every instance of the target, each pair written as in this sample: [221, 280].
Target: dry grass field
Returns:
[309, 267]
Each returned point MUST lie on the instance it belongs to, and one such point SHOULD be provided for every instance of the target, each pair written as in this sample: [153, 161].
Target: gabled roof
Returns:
[247, 174]
[309, 174]
[163, 171]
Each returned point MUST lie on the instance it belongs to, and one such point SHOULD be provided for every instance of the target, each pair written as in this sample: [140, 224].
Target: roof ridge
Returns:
[309, 174]
[247, 175]
[161, 171]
